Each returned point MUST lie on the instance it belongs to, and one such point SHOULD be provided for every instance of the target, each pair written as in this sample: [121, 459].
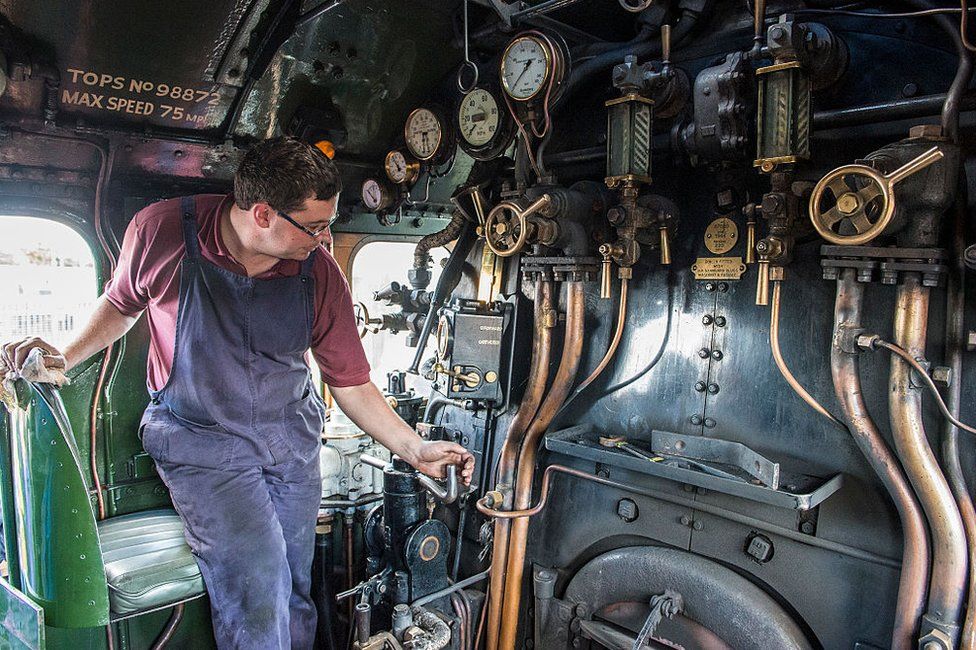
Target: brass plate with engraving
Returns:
[718, 268]
[721, 236]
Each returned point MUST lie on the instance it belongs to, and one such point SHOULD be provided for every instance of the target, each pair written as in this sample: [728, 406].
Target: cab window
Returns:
[48, 281]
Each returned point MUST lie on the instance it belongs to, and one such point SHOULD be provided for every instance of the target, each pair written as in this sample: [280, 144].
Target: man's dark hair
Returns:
[284, 173]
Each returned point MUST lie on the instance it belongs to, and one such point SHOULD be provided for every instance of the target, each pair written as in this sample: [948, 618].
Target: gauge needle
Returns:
[471, 130]
[521, 74]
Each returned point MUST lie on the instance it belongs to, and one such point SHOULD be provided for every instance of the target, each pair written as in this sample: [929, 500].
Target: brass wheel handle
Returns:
[496, 226]
[363, 323]
[851, 205]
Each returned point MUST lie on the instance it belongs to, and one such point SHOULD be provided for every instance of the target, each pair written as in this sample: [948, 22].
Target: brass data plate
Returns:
[718, 268]
[721, 235]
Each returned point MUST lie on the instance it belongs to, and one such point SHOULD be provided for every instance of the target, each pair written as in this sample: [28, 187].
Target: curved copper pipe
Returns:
[534, 390]
[561, 386]
[614, 344]
[949, 551]
[845, 370]
[781, 363]
[955, 328]
[167, 634]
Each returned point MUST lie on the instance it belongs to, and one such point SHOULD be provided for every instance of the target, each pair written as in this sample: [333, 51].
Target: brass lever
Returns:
[762, 282]
[606, 250]
[665, 246]
[470, 379]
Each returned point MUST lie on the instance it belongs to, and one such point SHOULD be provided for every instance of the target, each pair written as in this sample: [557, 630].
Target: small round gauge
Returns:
[399, 169]
[424, 133]
[377, 196]
[526, 66]
[478, 117]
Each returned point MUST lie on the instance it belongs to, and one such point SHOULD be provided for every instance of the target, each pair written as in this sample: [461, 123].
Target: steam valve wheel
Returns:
[364, 323]
[506, 229]
[853, 204]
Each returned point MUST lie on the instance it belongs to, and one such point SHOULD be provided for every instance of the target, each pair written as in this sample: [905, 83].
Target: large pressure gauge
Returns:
[485, 127]
[399, 169]
[527, 65]
[424, 133]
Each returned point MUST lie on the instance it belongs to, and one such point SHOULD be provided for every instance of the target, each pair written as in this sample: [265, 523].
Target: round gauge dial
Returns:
[377, 196]
[399, 169]
[478, 117]
[526, 66]
[424, 133]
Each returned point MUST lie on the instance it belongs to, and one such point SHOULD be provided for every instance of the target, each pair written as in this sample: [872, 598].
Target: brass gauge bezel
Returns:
[440, 136]
[411, 168]
[388, 195]
[549, 66]
[443, 337]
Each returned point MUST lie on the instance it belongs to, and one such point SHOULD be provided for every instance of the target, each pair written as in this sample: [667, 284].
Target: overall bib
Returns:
[235, 434]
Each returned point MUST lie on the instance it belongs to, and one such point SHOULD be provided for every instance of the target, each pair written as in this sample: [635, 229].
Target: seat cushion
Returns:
[147, 561]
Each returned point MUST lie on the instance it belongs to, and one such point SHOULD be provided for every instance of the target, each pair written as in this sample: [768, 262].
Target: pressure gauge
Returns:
[399, 169]
[527, 65]
[377, 196]
[478, 117]
[424, 133]
[485, 126]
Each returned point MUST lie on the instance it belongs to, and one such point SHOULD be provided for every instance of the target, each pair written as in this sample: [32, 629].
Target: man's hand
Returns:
[433, 457]
[14, 354]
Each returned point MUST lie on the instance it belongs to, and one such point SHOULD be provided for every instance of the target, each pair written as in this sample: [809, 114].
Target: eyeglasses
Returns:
[314, 234]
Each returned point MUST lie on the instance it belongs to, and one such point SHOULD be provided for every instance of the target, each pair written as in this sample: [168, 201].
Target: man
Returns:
[237, 290]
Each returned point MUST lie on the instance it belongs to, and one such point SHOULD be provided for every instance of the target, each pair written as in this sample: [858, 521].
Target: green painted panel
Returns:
[59, 555]
[22, 621]
[7, 501]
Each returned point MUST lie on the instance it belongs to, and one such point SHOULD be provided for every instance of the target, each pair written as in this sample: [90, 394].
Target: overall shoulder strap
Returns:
[188, 213]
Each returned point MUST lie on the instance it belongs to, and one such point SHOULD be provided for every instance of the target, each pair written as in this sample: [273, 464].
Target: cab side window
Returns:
[48, 280]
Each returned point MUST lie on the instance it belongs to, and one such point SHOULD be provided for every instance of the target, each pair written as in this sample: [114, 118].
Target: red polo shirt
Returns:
[148, 279]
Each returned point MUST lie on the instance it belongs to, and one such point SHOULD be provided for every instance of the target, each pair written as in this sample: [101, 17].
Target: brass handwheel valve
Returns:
[863, 200]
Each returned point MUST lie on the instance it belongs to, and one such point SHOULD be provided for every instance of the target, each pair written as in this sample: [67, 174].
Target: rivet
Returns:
[706, 319]
[720, 321]
[713, 389]
[700, 386]
[710, 423]
[704, 353]
[717, 355]
[696, 419]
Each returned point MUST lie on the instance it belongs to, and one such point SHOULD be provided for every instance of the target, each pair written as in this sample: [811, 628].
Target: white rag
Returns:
[34, 370]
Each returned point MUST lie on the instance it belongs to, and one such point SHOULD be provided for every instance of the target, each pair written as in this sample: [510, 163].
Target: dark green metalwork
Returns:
[62, 572]
[22, 620]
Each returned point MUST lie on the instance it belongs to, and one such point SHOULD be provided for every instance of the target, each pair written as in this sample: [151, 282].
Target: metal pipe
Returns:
[348, 523]
[167, 634]
[446, 591]
[614, 344]
[507, 463]
[845, 370]
[954, 341]
[561, 386]
[462, 621]
[486, 505]
[949, 561]
[363, 622]
[781, 363]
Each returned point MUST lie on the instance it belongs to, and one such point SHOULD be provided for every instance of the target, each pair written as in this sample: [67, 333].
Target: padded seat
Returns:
[147, 561]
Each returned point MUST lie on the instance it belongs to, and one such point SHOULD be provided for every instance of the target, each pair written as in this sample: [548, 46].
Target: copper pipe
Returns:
[615, 343]
[781, 363]
[949, 561]
[955, 328]
[561, 385]
[845, 370]
[534, 390]
[463, 624]
[167, 634]
[348, 525]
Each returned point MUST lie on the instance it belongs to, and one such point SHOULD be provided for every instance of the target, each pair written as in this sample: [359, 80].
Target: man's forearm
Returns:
[106, 326]
[367, 407]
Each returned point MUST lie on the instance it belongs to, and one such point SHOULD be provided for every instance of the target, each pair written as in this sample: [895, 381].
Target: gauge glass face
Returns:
[372, 194]
[525, 68]
[396, 166]
[478, 117]
[423, 133]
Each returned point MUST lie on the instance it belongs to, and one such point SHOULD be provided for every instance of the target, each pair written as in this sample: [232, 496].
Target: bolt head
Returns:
[942, 375]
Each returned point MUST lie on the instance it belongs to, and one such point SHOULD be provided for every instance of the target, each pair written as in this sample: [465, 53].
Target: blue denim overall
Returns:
[235, 434]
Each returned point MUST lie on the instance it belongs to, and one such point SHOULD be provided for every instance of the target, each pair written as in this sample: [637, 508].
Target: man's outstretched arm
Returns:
[105, 326]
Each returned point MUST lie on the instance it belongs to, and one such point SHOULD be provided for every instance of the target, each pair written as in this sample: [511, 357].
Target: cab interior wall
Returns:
[350, 72]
